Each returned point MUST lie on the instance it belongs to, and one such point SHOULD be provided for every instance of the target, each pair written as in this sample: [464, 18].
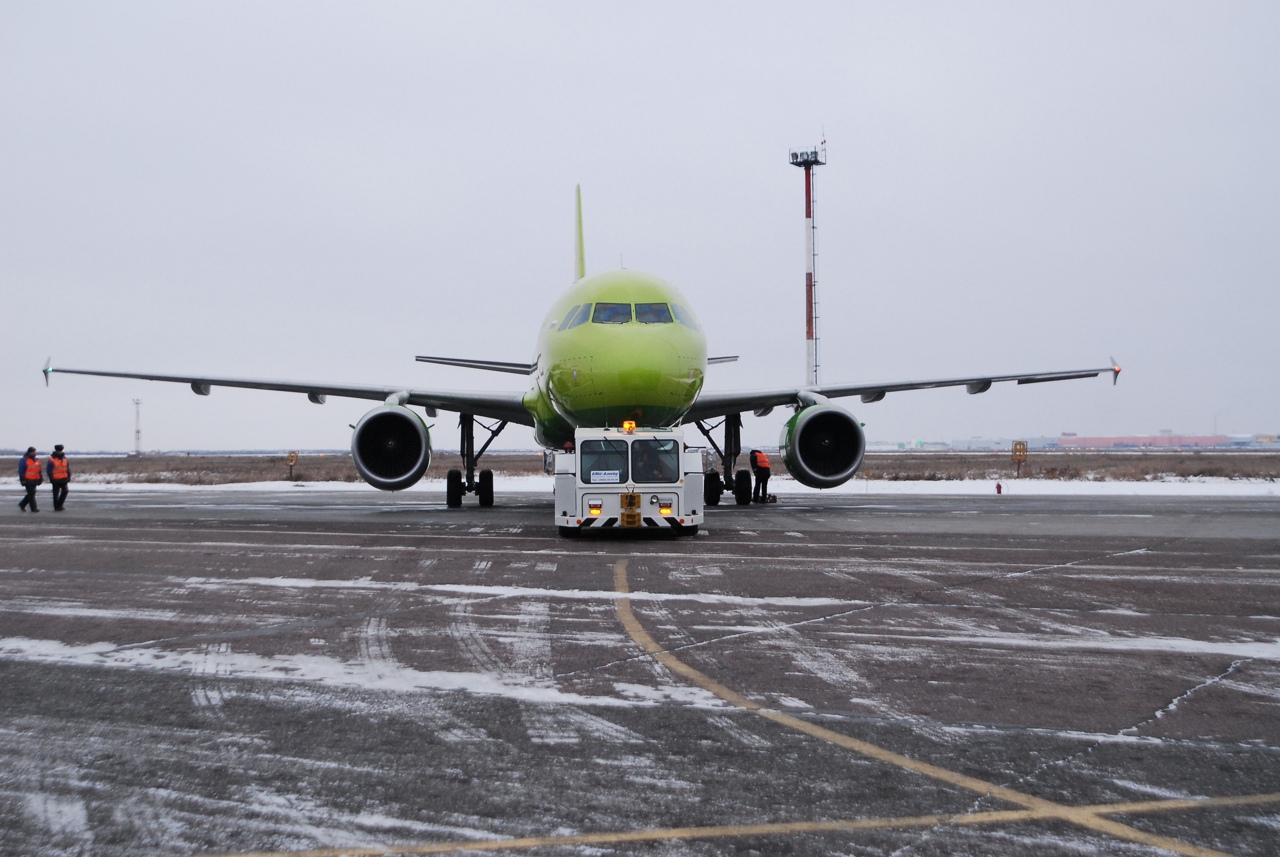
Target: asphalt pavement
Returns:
[343, 672]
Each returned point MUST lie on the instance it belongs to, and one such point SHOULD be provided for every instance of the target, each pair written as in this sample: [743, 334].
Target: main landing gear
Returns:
[714, 486]
[458, 483]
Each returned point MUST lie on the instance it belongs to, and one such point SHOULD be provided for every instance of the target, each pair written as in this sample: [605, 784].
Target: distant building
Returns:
[1070, 440]
[1001, 444]
[1155, 441]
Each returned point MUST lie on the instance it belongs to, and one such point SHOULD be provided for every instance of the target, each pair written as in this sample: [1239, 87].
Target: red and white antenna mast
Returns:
[808, 160]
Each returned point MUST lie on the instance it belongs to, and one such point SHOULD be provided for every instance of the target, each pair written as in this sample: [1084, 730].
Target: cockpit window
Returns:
[612, 314]
[604, 462]
[568, 317]
[683, 316]
[580, 318]
[653, 314]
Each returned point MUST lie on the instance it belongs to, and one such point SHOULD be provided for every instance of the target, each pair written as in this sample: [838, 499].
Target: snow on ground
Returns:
[781, 485]
[517, 591]
[1201, 487]
[317, 669]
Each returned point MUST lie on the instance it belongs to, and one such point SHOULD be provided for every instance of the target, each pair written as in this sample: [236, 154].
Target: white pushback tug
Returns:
[629, 479]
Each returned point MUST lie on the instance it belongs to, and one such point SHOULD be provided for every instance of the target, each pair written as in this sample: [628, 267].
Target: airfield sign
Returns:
[1019, 455]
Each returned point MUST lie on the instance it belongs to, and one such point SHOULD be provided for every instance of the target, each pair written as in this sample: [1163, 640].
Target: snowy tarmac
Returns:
[337, 671]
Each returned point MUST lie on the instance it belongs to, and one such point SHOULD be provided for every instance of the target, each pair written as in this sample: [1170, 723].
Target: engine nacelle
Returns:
[391, 447]
[822, 446]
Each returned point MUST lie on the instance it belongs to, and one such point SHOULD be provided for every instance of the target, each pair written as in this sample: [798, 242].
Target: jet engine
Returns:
[391, 447]
[822, 446]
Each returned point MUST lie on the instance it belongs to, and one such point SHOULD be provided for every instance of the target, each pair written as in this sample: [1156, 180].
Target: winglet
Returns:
[1115, 371]
[581, 258]
[48, 367]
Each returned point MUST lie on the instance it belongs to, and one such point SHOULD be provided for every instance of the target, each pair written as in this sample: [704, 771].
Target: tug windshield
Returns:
[603, 462]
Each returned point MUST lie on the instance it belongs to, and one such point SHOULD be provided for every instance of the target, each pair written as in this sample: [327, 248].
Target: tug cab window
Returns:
[655, 461]
[603, 462]
[612, 313]
[653, 314]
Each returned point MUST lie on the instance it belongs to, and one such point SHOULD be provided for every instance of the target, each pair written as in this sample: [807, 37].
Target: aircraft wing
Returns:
[710, 405]
[498, 406]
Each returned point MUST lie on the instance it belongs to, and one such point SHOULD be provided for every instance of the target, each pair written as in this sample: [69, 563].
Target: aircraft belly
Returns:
[587, 395]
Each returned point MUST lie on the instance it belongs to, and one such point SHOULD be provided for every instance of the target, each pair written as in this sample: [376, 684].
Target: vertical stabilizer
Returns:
[580, 260]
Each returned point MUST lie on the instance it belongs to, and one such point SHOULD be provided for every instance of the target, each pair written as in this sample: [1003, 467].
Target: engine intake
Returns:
[391, 447]
[822, 446]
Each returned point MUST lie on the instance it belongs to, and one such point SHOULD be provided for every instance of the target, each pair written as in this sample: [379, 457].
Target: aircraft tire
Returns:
[742, 487]
[453, 489]
[484, 488]
[712, 488]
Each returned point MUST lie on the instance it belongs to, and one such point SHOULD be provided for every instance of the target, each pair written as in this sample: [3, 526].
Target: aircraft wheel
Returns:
[742, 487]
[712, 488]
[484, 488]
[453, 489]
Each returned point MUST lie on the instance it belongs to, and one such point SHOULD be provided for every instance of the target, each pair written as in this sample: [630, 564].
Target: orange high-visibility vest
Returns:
[32, 472]
[762, 460]
[59, 468]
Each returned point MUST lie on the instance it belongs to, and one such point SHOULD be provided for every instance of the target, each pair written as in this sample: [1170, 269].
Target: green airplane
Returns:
[621, 345]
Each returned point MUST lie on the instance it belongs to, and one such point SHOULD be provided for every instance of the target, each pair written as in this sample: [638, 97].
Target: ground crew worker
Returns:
[30, 477]
[59, 470]
[760, 466]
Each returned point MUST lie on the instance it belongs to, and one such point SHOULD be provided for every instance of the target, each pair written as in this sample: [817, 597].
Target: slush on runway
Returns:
[226, 672]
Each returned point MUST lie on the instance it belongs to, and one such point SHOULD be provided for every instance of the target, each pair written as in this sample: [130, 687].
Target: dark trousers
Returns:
[59, 493]
[30, 499]
[762, 485]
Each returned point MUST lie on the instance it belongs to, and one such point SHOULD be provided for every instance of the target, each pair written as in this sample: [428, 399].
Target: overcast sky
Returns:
[321, 191]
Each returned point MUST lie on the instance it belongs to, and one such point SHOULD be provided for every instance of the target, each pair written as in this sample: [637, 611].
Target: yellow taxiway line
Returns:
[1088, 817]
[1007, 816]
[1032, 808]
